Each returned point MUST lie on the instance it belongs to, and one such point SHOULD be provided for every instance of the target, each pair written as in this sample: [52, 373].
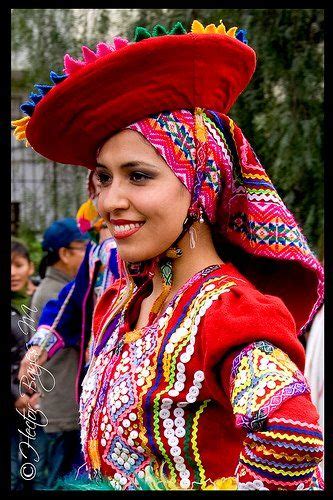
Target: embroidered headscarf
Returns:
[252, 226]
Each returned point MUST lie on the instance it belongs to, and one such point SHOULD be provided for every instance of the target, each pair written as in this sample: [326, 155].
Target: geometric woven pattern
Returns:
[209, 154]
[262, 378]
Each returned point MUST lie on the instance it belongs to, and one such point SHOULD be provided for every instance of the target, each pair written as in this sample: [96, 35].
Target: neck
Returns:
[192, 260]
[61, 266]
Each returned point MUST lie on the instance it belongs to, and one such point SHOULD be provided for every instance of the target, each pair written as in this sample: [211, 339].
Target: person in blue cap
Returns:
[65, 248]
[64, 245]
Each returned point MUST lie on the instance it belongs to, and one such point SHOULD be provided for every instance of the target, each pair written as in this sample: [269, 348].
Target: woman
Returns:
[197, 373]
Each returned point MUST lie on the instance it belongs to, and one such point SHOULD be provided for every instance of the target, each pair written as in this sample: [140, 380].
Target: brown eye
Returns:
[102, 178]
[139, 177]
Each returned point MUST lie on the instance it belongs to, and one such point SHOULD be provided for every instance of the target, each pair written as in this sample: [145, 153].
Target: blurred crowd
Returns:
[55, 441]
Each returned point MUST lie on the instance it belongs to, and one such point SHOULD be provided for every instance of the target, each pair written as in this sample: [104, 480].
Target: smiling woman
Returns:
[196, 371]
[142, 201]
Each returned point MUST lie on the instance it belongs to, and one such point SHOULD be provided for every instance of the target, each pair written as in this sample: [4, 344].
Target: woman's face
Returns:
[141, 199]
[21, 270]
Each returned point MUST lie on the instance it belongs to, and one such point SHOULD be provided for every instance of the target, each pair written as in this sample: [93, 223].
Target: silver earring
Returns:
[193, 237]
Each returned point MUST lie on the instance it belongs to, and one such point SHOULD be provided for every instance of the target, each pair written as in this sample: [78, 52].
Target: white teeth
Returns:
[126, 227]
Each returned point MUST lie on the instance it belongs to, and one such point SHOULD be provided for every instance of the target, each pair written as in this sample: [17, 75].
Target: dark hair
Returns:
[48, 260]
[18, 248]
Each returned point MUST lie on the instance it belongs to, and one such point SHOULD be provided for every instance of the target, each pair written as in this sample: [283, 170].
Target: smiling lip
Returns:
[123, 228]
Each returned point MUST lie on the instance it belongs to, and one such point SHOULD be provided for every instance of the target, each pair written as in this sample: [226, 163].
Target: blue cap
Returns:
[61, 233]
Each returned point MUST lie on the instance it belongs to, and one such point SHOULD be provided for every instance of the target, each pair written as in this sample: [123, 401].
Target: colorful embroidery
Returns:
[262, 378]
[137, 402]
[285, 456]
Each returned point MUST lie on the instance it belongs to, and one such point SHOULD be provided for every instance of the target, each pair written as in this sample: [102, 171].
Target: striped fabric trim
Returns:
[269, 456]
[47, 338]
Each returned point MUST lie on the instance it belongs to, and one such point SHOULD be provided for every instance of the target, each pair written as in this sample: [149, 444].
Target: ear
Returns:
[31, 269]
[63, 254]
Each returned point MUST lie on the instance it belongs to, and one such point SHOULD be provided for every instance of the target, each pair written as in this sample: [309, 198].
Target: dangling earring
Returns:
[193, 237]
[201, 218]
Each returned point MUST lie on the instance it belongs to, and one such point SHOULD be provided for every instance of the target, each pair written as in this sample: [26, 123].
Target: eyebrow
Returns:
[130, 164]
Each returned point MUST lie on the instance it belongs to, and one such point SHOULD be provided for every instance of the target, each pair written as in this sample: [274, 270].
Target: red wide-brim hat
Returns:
[116, 86]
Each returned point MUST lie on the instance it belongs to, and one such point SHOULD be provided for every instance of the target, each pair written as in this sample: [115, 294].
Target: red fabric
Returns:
[300, 408]
[297, 416]
[245, 315]
[238, 318]
[150, 76]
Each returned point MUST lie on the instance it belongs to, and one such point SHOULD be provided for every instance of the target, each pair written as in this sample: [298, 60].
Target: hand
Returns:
[22, 402]
[34, 401]
[34, 355]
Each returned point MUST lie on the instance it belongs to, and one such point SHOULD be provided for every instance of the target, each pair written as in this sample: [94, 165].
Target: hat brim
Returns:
[158, 74]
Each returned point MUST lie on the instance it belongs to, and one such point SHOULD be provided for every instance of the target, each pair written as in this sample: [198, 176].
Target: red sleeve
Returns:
[286, 453]
[237, 319]
[270, 399]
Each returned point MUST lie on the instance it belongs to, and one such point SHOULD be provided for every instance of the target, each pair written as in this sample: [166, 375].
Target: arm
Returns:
[56, 319]
[59, 319]
[271, 402]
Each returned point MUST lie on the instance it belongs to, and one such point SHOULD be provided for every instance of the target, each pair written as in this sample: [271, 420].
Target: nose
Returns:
[113, 199]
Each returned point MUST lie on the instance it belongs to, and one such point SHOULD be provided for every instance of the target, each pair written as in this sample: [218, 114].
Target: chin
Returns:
[136, 256]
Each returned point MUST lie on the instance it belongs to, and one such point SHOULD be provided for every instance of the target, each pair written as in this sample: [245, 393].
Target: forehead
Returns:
[127, 145]
[18, 258]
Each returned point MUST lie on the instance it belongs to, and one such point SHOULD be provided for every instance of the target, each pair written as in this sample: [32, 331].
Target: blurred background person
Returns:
[66, 320]
[65, 247]
[22, 269]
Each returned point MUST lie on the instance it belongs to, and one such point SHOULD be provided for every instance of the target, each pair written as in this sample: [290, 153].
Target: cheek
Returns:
[99, 203]
[23, 272]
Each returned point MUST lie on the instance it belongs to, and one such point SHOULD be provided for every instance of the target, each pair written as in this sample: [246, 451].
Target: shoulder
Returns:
[241, 314]
[241, 301]
[107, 301]
[48, 289]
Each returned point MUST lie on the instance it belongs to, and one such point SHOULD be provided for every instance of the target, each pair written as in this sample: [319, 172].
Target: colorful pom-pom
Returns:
[55, 78]
[87, 216]
[28, 108]
[232, 31]
[43, 89]
[119, 42]
[159, 30]
[103, 49]
[72, 65]
[35, 97]
[20, 128]
[89, 55]
[178, 29]
[141, 34]
[240, 35]
[197, 27]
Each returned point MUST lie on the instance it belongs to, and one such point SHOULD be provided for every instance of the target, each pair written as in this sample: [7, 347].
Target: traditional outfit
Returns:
[210, 394]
